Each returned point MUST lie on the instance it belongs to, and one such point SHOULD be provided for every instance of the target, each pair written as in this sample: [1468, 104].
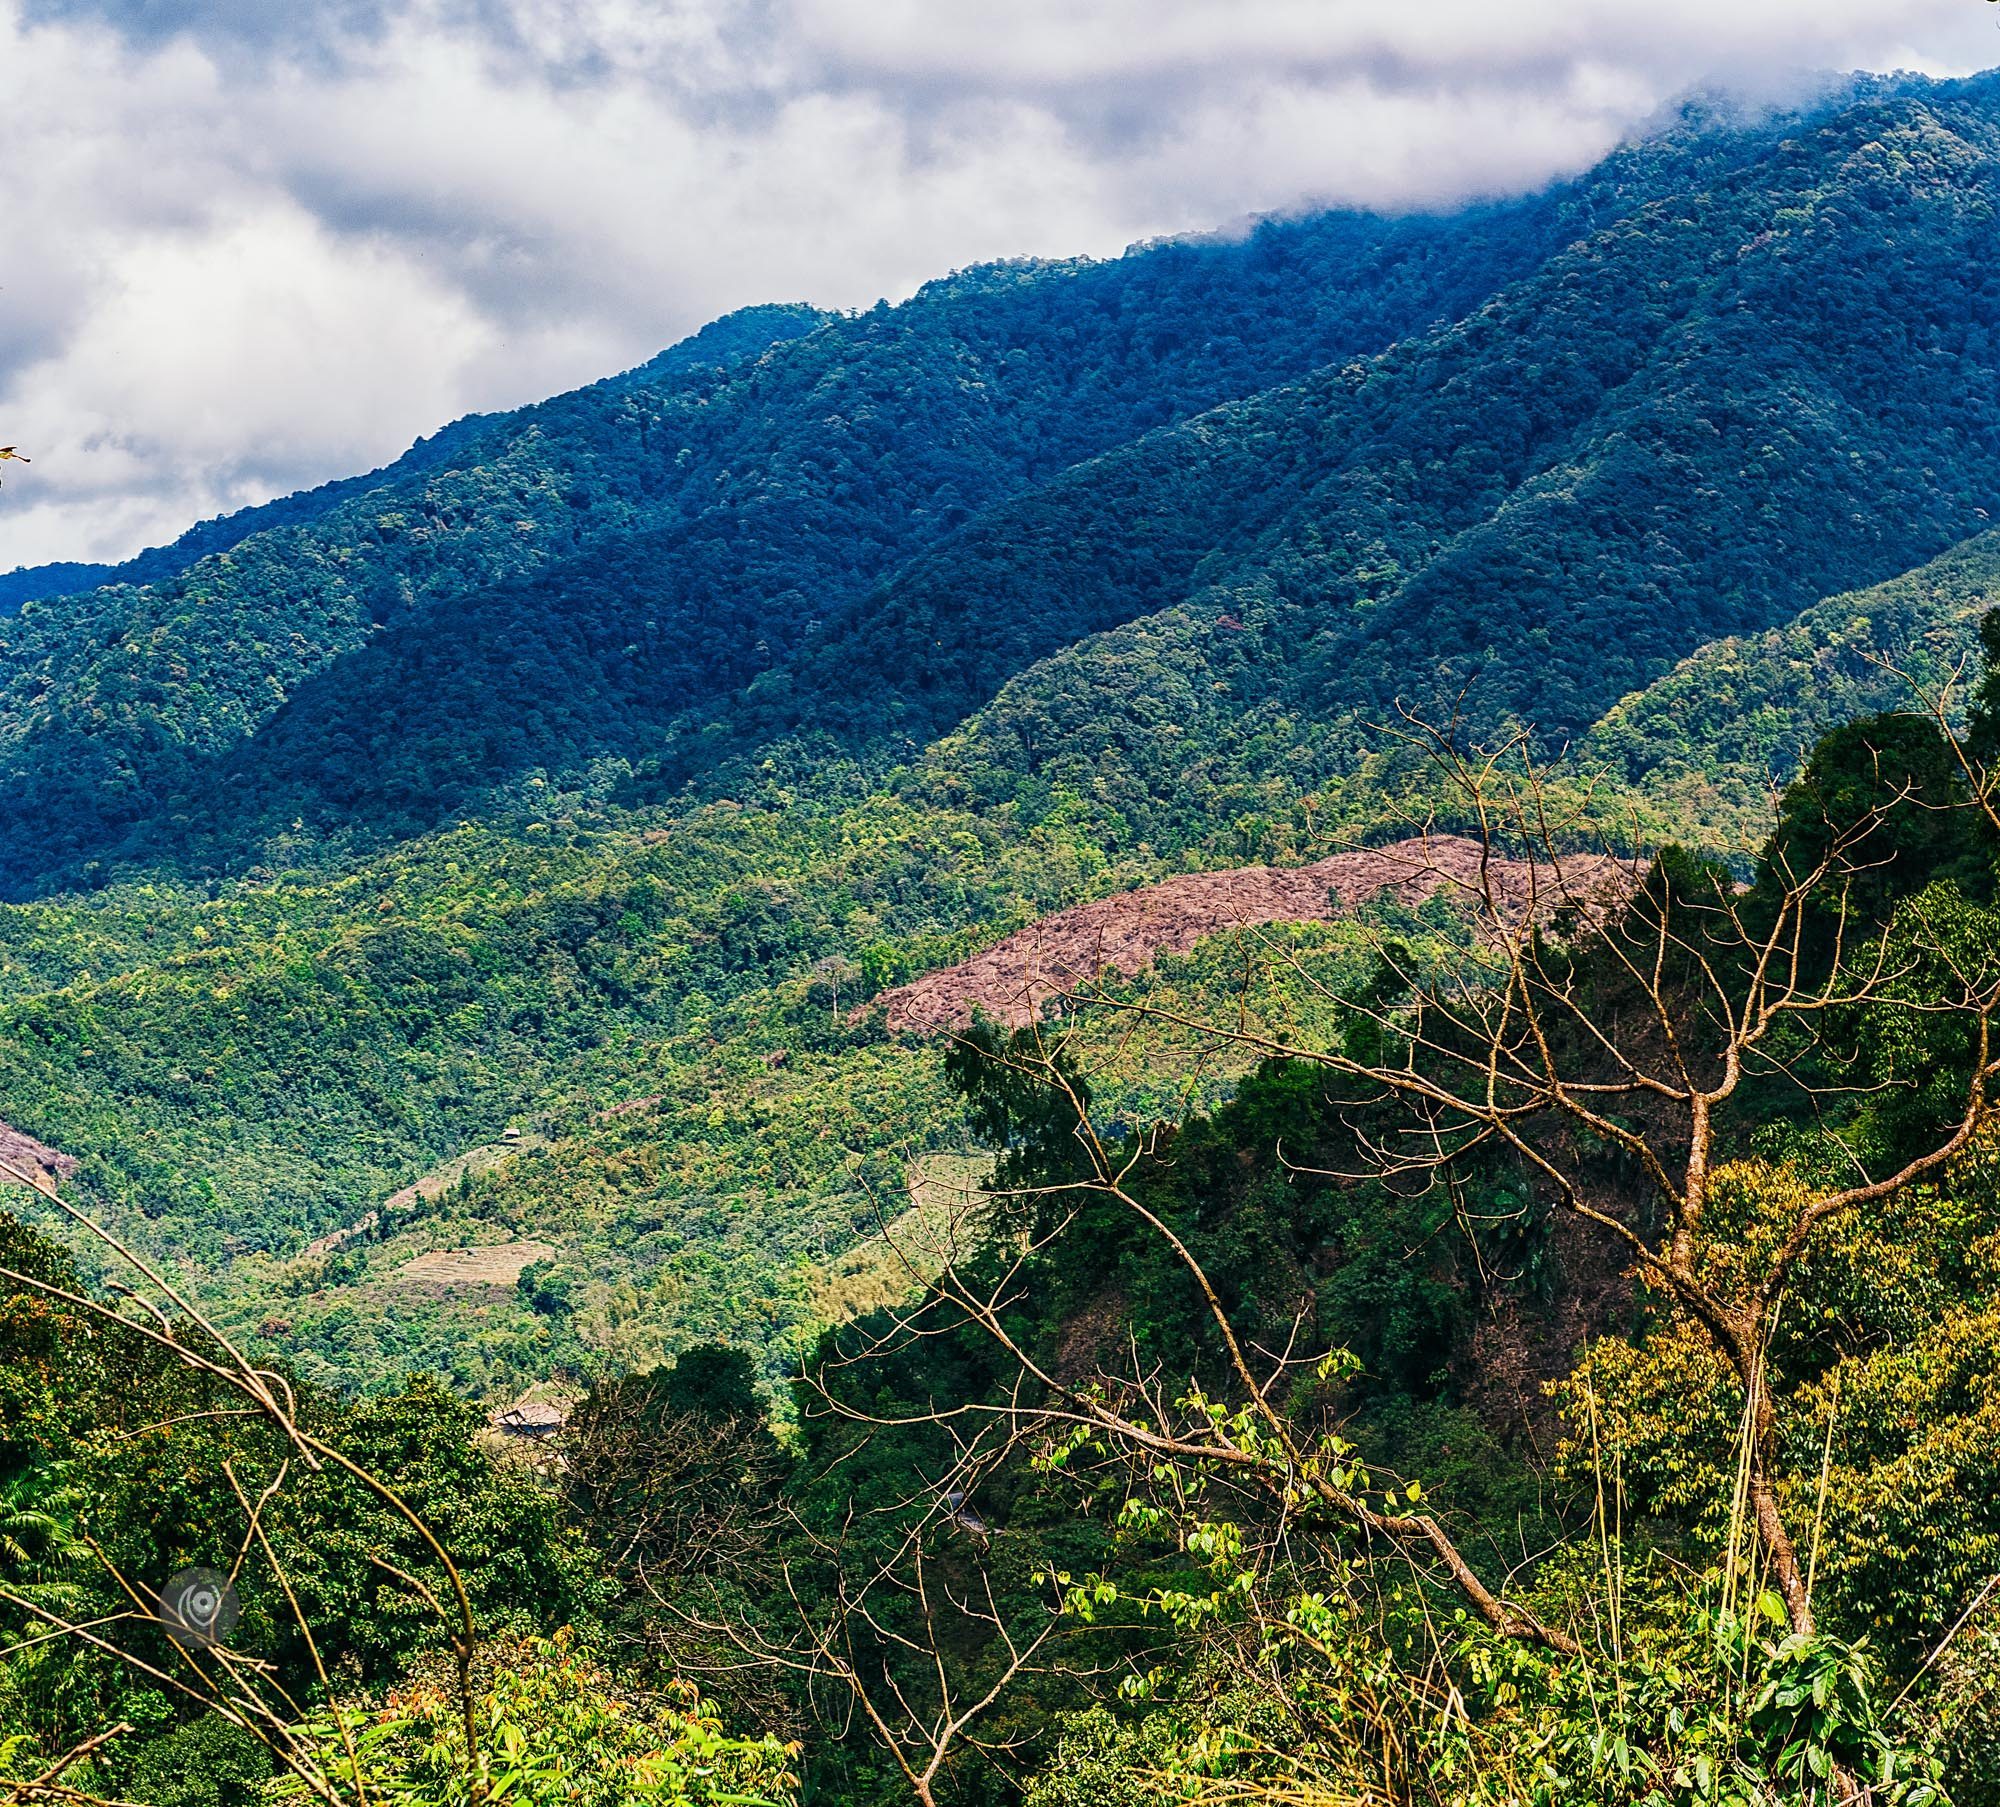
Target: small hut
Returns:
[529, 1418]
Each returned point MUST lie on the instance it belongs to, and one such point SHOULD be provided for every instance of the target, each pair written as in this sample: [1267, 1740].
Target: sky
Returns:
[248, 245]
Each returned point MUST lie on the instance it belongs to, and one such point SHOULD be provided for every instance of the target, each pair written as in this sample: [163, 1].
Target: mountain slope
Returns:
[1721, 403]
[1695, 423]
[1711, 744]
[695, 521]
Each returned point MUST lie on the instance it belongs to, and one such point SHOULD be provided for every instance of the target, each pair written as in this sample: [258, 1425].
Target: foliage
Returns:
[554, 1727]
[1714, 742]
[123, 1467]
[1338, 1685]
[206, 1762]
[1889, 1337]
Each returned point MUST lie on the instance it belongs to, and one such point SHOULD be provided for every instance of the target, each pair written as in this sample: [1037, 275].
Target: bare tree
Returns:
[672, 1493]
[912, 1637]
[1591, 1015]
[245, 1691]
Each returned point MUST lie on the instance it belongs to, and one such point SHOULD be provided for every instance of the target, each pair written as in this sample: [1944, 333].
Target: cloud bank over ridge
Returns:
[248, 248]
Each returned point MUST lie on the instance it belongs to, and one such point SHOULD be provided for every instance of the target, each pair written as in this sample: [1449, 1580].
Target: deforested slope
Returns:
[1013, 981]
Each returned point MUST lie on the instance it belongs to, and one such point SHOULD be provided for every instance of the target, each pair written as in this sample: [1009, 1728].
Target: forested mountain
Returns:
[449, 910]
[1693, 422]
[1712, 742]
[695, 519]
[926, 499]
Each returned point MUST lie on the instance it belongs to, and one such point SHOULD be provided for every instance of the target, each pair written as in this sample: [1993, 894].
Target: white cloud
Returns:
[239, 259]
[249, 342]
[1057, 43]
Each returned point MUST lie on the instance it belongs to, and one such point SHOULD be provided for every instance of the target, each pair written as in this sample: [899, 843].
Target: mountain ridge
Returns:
[747, 509]
[742, 333]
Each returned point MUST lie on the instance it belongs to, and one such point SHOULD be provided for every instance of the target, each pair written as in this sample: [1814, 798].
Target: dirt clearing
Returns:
[492, 1264]
[1013, 979]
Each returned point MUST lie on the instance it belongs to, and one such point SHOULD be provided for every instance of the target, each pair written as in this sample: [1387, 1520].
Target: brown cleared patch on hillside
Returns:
[24, 1155]
[1012, 980]
[492, 1264]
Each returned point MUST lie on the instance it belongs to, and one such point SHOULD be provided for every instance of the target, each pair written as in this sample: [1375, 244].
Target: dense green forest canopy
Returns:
[1184, 1472]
